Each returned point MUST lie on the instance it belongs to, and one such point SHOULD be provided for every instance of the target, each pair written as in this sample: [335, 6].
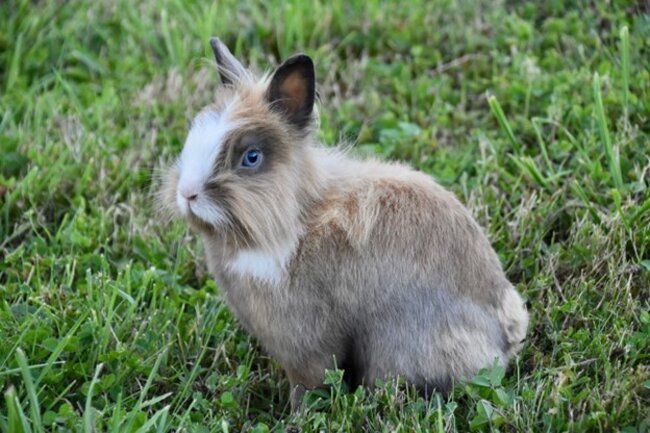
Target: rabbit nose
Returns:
[189, 194]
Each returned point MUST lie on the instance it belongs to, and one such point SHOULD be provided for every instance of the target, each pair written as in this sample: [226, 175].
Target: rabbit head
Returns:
[245, 170]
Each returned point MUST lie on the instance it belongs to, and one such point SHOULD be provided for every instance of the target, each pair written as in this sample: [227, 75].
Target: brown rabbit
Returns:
[332, 261]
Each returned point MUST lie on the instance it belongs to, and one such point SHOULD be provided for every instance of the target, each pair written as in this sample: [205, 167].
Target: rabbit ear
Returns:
[292, 90]
[229, 67]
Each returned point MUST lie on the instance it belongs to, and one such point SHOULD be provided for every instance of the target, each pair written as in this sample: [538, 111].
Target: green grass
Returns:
[536, 114]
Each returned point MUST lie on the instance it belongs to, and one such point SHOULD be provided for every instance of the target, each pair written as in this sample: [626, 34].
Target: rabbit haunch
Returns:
[332, 261]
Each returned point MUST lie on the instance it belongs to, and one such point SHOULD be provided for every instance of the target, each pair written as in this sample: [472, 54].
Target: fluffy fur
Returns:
[328, 260]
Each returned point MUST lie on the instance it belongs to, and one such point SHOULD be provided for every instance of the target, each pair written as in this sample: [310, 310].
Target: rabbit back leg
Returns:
[513, 318]
[434, 343]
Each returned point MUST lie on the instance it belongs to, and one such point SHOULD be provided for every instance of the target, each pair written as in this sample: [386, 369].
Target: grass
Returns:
[536, 114]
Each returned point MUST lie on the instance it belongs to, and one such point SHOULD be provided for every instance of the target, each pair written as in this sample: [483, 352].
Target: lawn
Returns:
[536, 114]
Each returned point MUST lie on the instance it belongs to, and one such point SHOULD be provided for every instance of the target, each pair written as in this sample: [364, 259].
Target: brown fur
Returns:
[388, 272]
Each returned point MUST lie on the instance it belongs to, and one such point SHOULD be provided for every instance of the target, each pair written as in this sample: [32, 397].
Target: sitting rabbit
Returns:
[332, 261]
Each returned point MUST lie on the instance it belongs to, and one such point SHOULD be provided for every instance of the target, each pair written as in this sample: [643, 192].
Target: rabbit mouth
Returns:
[203, 213]
[198, 224]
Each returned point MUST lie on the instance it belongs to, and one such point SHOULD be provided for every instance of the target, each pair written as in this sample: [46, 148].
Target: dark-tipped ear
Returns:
[229, 67]
[293, 89]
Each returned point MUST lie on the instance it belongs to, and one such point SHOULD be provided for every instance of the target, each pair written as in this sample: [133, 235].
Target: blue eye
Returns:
[252, 158]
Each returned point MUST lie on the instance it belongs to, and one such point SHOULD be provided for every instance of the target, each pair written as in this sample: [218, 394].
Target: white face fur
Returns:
[196, 164]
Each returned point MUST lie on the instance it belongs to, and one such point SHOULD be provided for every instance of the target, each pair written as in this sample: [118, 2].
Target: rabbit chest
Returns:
[292, 316]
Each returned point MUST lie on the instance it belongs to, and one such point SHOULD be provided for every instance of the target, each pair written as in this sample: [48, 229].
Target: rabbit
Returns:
[331, 261]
